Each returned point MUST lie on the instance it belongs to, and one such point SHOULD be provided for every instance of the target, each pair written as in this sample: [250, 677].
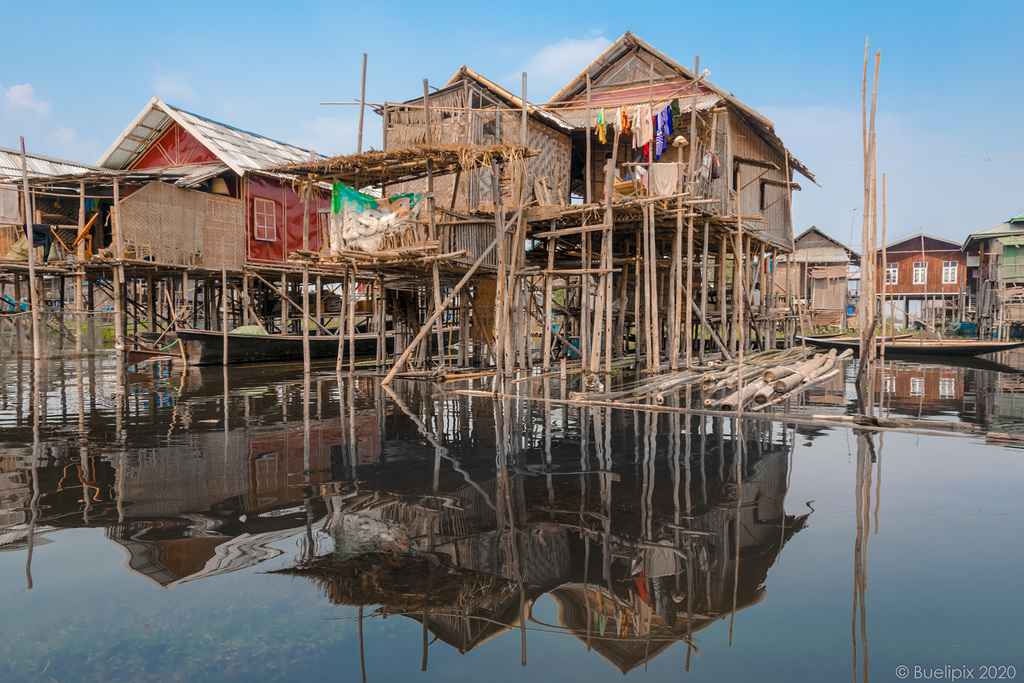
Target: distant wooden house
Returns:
[817, 274]
[996, 276]
[923, 279]
[210, 203]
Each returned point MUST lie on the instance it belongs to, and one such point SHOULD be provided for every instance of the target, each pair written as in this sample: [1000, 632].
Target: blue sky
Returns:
[950, 96]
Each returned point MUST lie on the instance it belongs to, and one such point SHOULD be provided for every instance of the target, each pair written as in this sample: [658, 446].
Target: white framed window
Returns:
[917, 386]
[920, 272]
[949, 269]
[264, 213]
[947, 387]
[892, 274]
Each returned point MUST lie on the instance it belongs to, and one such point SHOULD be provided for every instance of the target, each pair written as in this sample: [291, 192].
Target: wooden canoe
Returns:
[205, 347]
[922, 347]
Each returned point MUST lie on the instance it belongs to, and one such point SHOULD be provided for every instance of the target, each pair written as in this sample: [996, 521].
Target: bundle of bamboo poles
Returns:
[764, 379]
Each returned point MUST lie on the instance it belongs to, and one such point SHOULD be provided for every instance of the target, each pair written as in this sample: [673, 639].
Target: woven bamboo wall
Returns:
[164, 223]
[451, 123]
[9, 234]
[223, 242]
[473, 238]
[184, 227]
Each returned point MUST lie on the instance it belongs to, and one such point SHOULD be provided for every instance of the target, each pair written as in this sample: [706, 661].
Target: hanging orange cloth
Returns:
[602, 125]
[626, 130]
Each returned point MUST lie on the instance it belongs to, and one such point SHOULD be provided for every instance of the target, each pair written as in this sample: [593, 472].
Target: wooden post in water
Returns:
[224, 315]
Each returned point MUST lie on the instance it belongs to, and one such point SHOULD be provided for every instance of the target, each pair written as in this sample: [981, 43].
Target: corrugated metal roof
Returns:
[1011, 240]
[241, 150]
[577, 116]
[39, 166]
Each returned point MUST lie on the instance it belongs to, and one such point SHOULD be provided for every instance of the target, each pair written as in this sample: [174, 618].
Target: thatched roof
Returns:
[400, 165]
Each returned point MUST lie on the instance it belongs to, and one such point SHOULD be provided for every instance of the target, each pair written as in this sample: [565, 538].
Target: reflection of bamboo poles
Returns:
[865, 453]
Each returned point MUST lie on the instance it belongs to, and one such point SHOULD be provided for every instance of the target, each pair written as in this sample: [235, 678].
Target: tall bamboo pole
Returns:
[362, 108]
[37, 352]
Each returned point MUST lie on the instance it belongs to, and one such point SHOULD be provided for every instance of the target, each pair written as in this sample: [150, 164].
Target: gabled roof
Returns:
[513, 101]
[628, 43]
[240, 150]
[813, 230]
[953, 246]
[1013, 227]
[39, 166]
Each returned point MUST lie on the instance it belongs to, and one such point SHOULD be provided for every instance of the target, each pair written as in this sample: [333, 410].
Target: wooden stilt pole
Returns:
[37, 349]
[437, 312]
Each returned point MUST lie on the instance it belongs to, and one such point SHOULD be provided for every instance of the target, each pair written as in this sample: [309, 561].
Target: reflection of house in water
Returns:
[204, 503]
[638, 549]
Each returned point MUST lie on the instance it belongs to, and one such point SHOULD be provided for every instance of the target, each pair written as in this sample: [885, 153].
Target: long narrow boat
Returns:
[205, 347]
[922, 347]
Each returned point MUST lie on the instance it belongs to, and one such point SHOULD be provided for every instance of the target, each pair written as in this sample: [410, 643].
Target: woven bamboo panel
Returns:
[485, 292]
[164, 223]
[9, 234]
[224, 242]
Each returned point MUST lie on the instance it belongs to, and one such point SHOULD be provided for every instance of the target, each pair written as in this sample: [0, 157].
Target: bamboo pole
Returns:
[224, 315]
[587, 171]
[885, 277]
[437, 312]
[305, 319]
[37, 352]
[352, 321]
[706, 274]
[359, 139]
[689, 224]
[546, 357]
[499, 238]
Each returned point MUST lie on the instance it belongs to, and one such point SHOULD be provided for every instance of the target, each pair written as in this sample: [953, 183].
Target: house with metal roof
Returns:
[996, 270]
[222, 208]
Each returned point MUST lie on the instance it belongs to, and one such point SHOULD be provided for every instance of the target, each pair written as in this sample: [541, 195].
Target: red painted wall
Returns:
[288, 206]
[176, 147]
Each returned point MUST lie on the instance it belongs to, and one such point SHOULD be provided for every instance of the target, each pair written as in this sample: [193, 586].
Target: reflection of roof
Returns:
[241, 150]
[168, 562]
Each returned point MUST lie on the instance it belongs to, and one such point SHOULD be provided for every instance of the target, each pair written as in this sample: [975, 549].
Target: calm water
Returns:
[245, 525]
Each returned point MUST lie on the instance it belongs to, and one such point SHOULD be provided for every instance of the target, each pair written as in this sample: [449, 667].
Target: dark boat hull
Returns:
[922, 348]
[203, 347]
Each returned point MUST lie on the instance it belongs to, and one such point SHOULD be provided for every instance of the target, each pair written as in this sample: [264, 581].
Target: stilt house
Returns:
[220, 208]
[923, 279]
[996, 283]
[817, 275]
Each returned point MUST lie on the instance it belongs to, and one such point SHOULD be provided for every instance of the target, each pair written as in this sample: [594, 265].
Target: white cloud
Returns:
[172, 86]
[552, 66]
[24, 97]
